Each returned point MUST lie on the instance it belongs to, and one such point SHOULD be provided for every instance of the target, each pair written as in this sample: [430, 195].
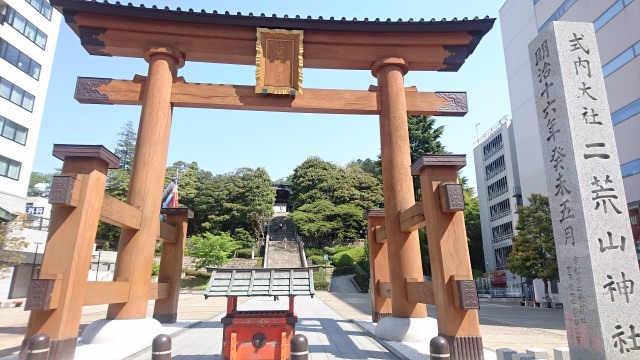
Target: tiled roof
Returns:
[260, 282]
[285, 21]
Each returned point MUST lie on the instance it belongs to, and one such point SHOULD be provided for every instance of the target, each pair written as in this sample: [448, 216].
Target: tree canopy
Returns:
[534, 252]
[330, 199]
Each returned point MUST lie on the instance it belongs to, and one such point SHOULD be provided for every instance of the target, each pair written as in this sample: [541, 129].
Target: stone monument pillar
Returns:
[596, 255]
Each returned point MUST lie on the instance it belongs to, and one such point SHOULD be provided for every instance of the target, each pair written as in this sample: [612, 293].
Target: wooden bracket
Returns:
[44, 292]
[384, 289]
[65, 190]
[464, 292]
[451, 197]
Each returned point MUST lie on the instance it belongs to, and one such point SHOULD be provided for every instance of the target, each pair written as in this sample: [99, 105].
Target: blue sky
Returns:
[223, 140]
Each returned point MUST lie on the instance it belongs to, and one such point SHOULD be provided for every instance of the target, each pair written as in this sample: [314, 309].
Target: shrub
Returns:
[320, 280]
[349, 257]
[312, 251]
[336, 249]
[155, 269]
[198, 274]
[244, 253]
[316, 259]
[343, 270]
[342, 259]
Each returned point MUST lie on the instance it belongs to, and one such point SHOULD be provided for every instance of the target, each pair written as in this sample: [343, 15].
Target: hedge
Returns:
[337, 249]
[199, 274]
[361, 278]
[244, 253]
[349, 257]
[344, 270]
[313, 252]
[320, 280]
[316, 259]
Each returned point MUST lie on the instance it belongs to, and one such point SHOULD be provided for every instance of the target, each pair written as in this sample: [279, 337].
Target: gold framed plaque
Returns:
[279, 61]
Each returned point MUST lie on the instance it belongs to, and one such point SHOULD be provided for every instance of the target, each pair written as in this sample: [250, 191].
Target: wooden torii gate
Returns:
[278, 46]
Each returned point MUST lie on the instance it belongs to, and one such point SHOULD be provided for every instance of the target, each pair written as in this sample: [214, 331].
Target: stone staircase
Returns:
[239, 263]
[282, 254]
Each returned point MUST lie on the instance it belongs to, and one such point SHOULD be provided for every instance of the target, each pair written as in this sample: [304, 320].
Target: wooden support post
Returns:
[378, 266]
[66, 261]
[166, 310]
[403, 247]
[447, 236]
[135, 249]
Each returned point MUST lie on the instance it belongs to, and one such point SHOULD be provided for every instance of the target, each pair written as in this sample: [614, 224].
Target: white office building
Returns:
[28, 37]
[617, 28]
[498, 192]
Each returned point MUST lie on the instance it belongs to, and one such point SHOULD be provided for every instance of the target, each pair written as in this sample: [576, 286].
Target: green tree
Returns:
[211, 250]
[11, 243]
[534, 251]
[126, 146]
[424, 136]
[474, 230]
[258, 199]
[315, 220]
[118, 181]
[314, 180]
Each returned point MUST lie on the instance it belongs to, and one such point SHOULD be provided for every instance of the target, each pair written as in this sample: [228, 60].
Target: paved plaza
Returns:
[335, 324]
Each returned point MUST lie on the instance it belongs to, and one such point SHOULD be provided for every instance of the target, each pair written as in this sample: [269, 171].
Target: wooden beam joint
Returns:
[420, 291]
[412, 219]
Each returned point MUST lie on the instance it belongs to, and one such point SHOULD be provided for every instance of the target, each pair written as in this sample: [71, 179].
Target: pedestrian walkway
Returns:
[334, 323]
[329, 335]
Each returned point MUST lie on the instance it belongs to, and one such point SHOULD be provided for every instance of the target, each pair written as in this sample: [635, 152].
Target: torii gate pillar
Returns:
[136, 248]
[403, 247]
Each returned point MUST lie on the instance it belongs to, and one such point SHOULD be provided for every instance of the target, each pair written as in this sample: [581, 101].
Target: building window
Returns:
[625, 112]
[501, 209]
[493, 146]
[19, 59]
[43, 7]
[630, 168]
[619, 61]
[9, 168]
[13, 131]
[558, 13]
[497, 188]
[501, 257]
[495, 167]
[502, 232]
[16, 95]
[26, 28]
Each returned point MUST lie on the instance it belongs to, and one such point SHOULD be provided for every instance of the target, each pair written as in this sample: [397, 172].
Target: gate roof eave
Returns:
[126, 30]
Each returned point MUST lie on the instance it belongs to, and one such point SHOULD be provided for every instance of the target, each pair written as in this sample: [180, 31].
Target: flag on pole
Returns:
[173, 202]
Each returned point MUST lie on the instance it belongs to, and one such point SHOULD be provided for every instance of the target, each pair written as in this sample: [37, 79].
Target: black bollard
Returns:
[299, 347]
[38, 347]
[161, 348]
[439, 348]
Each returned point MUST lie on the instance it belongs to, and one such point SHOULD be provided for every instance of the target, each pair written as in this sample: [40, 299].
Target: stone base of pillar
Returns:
[121, 334]
[407, 329]
[465, 347]
[376, 316]
[166, 318]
